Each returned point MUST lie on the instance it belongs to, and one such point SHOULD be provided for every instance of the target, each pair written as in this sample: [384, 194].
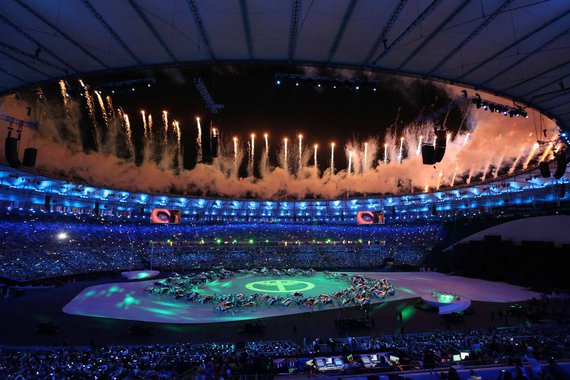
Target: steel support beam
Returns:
[31, 56]
[201, 28]
[152, 29]
[342, 28]
[430, 8]
[527, 56]
[246, 27]
[559, 104]
[518, 41]
[435, 32]
[110, 30]
[14, 76]
[30, 67]
[61, 33]
[472, 35]
[381, 38]
[36, 42]
[557, 80]
[294, 28]
[547, 71]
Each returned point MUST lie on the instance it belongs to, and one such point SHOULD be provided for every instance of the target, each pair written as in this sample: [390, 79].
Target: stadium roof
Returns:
[519, 49]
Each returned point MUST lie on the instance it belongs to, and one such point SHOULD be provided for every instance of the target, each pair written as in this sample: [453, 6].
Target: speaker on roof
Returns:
[428, 154]
[439, 152]
[561, 163]
[30, 155]
[440, 144]
[544, 169]
[11, 150]
[47, 203]
[561, 190]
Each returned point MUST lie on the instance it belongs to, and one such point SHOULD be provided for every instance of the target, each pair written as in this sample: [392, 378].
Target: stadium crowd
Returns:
[522, 347]
[49, 245]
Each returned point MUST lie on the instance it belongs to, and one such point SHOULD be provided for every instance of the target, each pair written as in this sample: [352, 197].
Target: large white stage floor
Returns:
[127, 300]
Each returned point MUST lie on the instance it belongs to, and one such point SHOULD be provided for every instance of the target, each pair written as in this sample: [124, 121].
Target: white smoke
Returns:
[487, 145]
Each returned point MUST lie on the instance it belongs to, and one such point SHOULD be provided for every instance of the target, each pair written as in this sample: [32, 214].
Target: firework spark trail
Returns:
[426, 189]
[151, 143]
[498, 166]
[350, 154]
[470, 175]
[486, 169]
[466, 138]
[365, 156]
[252, 157]
[266, 137]
[178, 133]
[513, 167]
[545, 154]
[91, 111]
[419, 148]
[145, 127]
[454, 175]
[385, 153]
[401, 152]
[165, 125]
[285, 154]
[235, 152]
[300, 153]
[103, 111]
[439, 177]
[316, 147]
[199, 153]
[332, 158]
[176, 126]
[129, 135]
[530, 155]
[63, 89]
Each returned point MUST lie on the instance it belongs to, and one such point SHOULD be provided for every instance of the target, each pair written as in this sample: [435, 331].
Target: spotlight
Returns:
[334, 86]
[485, 106]
[133, 89]
[278, 82]
[374, 89]
[148, 85]
[297, 84]
[319, 85]
[358, 87]
[62, 236]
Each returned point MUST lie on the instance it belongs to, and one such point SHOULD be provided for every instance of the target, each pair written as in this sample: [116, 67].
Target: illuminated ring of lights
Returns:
[280, 286]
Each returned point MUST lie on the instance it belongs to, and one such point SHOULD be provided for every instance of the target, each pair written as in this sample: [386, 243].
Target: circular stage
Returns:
[127, 300]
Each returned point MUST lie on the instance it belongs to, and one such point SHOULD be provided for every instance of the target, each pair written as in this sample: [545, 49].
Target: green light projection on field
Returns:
[280, 286]
[128, 301]
[445, 298]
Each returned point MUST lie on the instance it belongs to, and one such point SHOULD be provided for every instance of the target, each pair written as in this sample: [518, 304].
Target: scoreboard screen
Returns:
[370, 217]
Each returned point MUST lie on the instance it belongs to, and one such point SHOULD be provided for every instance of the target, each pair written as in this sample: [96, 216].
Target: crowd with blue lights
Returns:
[523, 348]
[42, 246]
